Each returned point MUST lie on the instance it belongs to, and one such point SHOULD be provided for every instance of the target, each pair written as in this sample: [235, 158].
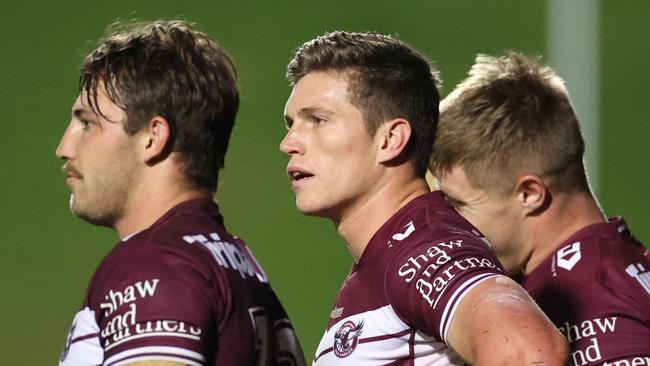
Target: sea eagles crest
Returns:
[347, 338]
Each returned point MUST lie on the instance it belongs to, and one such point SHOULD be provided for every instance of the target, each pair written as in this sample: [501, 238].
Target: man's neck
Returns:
[152, 199]
[567, 215]
[363, 220]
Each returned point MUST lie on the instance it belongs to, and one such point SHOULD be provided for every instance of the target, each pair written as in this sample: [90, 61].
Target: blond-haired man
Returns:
[508, 155]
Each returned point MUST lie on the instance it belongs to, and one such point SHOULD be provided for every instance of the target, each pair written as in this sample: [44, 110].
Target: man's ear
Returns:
[157, 135]
[533, 194]
[394, 136]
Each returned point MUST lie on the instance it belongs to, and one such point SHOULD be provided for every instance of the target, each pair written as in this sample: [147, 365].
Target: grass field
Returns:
[49, 255]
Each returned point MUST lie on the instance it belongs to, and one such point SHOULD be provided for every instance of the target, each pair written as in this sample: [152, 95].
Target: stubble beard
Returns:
[104, 208]
[104, 194]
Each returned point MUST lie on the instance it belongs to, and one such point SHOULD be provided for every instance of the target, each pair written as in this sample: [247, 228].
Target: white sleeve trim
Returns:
[155, 352]
[456, 298]
[152, 334]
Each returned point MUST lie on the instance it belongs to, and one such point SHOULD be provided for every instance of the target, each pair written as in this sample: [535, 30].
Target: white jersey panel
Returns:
[428, 352]
[379, 337]
[82, 346]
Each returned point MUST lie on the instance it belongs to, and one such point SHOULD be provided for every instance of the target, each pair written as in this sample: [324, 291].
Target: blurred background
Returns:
[48, 255]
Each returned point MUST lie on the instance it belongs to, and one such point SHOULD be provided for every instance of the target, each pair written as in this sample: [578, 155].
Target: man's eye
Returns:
[319, 120]
[85, 123]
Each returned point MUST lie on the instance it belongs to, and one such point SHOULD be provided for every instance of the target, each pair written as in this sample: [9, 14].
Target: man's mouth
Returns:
[297, 174]
[72, 174]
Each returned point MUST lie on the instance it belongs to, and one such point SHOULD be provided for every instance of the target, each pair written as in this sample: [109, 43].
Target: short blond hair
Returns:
[512, 116]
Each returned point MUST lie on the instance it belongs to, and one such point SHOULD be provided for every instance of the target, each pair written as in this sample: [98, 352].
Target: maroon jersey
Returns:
[596, 290]
[183, 290]
[397, 303]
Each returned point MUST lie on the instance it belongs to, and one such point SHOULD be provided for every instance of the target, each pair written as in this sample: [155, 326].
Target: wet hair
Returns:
[169, 69]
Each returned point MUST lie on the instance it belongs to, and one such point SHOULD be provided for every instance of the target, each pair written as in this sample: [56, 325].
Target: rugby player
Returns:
[509, 156]
[142, 152]
[424, 289]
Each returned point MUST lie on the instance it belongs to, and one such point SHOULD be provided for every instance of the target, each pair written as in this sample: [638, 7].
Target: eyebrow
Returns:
[81, 113]
[307, 111]
[311, 110]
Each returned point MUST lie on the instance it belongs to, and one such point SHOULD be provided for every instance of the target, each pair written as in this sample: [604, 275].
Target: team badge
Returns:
[408, 230]
[569, 256]
[346, 338]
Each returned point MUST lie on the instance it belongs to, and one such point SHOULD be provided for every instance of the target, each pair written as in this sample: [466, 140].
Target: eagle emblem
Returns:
[346, 338]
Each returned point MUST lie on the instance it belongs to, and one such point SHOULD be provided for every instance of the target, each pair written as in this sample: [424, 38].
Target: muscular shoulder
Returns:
[179, 241]
[595, 257]
[152, 255]
[154, 289]
[594, 289]
[428, 219]
[442, 258]
[597, 264]
[433, 235]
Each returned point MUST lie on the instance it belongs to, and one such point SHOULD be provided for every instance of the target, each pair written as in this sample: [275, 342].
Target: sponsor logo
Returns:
[152, 328]
[410, 228]
[435, 269]
[587, 352]
[117, 325]
[346, 338]
[131, 293]
[337, 312]
[569, 256]
[434, 257]
[639, 273]
[229, 256]
[636, 361]
[120, 317]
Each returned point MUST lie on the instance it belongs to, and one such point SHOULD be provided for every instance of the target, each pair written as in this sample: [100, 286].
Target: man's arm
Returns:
[498, 323]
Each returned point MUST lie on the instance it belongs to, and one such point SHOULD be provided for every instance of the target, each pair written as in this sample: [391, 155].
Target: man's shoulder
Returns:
[158, 248]
[183, 233]
[429, 219]
[175, 244]
[587, 256]
[595, 264]
[426, 235]
[442, 258]
[593, 288]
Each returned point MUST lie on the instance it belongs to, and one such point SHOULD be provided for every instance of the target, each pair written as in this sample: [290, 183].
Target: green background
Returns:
[48, 255]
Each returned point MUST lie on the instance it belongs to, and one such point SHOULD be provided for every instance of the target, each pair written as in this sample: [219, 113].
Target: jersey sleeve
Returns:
[426, 283]
[622, 328]
[155, 303]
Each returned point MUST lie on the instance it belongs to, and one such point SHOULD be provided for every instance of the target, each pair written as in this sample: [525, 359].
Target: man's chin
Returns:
[313, 210]
[94, 218]
[306, 209]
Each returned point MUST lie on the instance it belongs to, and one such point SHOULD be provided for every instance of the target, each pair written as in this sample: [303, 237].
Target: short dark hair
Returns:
[512, 116]
[386, 79]
[169, 69]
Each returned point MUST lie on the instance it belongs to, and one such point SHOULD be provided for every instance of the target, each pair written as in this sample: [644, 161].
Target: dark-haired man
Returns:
[508, 154]
[424, 289]
[148, 135]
